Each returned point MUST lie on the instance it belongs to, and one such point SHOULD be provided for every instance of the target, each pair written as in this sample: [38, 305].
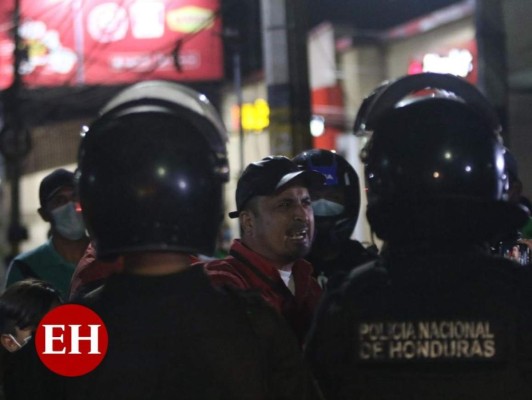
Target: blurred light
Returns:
[161, 171]
[436, 174]
[255, 116]
[457, 62]
[500, 162]
[448, 155]
[317, 125]
[468, 168]
[84, 130]
[182, 184]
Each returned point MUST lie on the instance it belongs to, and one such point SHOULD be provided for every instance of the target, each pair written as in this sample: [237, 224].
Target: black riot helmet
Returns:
[333, 227]
[434, 162]
[151, 171]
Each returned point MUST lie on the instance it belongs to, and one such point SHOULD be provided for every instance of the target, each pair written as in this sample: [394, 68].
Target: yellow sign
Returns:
[189, 19]
[255, 116]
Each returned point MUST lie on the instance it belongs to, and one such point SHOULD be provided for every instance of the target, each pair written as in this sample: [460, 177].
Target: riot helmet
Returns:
[151, 171]
[434, 162]
[336, 205]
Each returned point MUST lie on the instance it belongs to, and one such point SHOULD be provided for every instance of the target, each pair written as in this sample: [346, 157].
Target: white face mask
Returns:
[326, 208]
[68, 222]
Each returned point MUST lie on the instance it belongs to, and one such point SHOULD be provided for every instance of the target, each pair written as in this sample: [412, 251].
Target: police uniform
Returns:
[175, 336]
[423, 325]
[438, 316]
[329, 272]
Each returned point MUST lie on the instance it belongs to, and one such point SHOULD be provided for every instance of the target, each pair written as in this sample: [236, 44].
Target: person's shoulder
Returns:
[503, 269]
[42, 250]
[90, 298]
[28, 264]
[364, 278]
[218, 266]
[224, 272]
[357, 253]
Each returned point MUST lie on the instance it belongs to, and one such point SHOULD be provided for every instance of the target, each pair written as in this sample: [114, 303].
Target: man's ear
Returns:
[8, 343]
[247, 221]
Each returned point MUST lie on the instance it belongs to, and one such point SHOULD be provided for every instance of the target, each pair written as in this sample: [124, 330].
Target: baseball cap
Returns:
[265, 177]
[53, 182]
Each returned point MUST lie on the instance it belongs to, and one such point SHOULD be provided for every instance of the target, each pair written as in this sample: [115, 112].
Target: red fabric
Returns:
[89, 269]
[298, 309]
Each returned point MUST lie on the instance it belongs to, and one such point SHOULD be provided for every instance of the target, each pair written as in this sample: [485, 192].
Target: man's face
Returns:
[14, 342]
[331, 193]
[280, 227]
[60, 198]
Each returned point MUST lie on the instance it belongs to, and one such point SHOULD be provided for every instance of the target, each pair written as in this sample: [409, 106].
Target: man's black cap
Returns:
[53, 182]
[265, 177]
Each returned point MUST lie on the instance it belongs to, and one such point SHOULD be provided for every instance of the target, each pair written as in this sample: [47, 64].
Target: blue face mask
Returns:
[68, 222]
[326, 208]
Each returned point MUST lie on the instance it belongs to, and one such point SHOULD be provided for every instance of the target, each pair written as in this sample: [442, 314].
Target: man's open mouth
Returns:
[298, 234]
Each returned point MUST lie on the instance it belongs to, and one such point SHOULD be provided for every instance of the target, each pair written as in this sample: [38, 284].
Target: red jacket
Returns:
[91, 272]
[246, 269]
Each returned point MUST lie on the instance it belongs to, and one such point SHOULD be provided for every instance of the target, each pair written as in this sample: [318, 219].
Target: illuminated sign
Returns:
[72, 42]
[456, 62]
[255, 116]
[459, 60]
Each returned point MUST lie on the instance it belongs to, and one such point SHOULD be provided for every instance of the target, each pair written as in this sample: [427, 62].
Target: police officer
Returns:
[336, 206]
[151, 174]
[437, 317]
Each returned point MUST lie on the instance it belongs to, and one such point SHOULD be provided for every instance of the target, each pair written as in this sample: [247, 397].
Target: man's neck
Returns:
[156, 263]
[277, 263]
[70, 250]
[286, 267]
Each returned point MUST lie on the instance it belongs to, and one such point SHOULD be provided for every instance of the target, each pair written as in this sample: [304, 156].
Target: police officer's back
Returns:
[438, 317]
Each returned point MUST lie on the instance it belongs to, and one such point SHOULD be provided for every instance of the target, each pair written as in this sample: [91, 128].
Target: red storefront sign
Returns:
[72, 42]
[460, 60]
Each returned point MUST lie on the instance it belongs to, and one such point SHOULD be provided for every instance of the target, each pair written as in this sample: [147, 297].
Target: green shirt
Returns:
[45, 263]
[526, 231]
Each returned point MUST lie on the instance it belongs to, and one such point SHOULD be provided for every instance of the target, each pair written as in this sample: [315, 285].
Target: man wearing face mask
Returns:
[55, 260]
[336, 206]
